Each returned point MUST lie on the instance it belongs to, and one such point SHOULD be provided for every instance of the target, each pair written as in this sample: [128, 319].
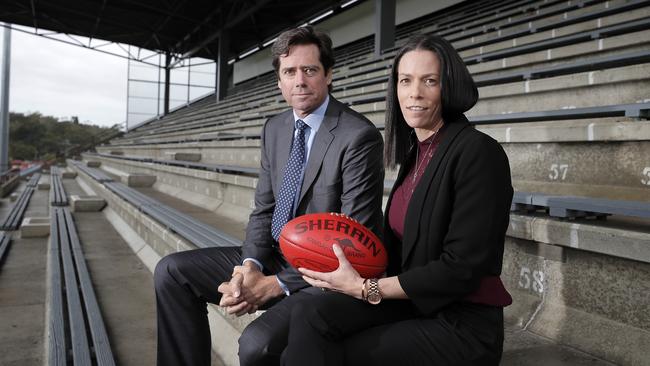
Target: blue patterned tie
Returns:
[284, 204]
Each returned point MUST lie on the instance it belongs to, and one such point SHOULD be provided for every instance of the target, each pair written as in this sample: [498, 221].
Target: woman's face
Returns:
[418, 91]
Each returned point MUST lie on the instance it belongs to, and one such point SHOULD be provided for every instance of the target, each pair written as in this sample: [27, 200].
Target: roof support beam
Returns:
[222, 66]
[384, 25]
[162, 24]
[97, 21]
[33, 7]
[168, 59]
[243, 13]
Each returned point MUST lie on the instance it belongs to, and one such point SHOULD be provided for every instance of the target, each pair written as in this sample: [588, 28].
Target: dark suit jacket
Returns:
[456, 220]
[344, 173]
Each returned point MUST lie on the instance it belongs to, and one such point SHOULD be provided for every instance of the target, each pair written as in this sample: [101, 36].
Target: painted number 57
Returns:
[558, 171]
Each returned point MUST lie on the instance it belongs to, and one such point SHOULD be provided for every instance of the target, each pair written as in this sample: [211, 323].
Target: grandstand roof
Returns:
[182, 27]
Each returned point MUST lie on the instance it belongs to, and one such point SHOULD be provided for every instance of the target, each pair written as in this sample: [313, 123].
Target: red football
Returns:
[306, 241]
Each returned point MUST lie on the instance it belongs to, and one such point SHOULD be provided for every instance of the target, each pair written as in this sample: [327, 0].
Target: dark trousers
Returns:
[185, 282]
[339, 330]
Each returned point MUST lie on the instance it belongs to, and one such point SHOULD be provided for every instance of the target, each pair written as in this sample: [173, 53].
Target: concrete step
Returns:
[524, 348]
[613, 170]
[224, 223]
[122, 283]
[123, 286]
[22, 292]
[560, 275]
[231, 197]
[566, 168]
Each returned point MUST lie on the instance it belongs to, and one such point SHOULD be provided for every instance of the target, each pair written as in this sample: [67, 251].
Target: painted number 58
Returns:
[531, 280]
[646, 176]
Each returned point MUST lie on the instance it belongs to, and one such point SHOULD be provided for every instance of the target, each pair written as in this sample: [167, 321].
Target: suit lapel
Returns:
[283, 146]
[319, 147]
[417, 201]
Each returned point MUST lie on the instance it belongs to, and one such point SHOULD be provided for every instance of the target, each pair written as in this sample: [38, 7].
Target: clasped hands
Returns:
[247, 290]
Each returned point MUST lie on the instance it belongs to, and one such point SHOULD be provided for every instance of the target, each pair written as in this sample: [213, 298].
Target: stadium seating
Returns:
[563, 87]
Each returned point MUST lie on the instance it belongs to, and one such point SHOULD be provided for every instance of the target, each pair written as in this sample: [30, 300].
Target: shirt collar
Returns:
[315, 118]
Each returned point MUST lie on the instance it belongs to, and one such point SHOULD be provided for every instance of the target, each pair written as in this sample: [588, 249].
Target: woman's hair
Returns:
[303, 36]
[457, 89]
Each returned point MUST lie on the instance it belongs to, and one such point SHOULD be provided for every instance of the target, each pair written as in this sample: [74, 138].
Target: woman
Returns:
[442, 301]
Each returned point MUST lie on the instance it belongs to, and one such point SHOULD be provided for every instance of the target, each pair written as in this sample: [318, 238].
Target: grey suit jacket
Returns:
[344, 173]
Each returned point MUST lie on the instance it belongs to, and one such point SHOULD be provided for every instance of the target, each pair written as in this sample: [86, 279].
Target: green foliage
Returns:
[22, 151]
[34, 136]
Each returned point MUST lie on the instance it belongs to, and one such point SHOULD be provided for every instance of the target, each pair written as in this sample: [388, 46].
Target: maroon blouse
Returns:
[491, 290]
[402, 196]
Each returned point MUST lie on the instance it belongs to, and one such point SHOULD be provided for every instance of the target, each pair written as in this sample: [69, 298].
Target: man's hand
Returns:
[231, 299]
[248, 289]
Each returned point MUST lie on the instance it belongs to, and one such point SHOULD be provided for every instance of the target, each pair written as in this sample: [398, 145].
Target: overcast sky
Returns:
[63, 80]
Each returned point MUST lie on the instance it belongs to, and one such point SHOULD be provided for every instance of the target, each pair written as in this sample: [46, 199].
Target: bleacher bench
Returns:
[96, 174]
[15, 217]
[199, 234]
[69, 327]
[634, 110]
[571, 207]
[57, 193]
[196, 232]
[219, 168]
[5, 241]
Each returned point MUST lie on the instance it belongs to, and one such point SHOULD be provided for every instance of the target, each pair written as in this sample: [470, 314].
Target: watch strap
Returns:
[373, 295]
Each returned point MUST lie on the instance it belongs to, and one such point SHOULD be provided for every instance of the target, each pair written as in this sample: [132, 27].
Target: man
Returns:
[319, 156]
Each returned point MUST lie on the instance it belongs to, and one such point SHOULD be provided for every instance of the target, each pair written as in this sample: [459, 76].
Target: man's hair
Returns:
[303, 36]
[457, 90]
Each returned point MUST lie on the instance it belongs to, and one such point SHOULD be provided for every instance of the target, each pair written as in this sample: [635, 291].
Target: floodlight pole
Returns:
[4, 102]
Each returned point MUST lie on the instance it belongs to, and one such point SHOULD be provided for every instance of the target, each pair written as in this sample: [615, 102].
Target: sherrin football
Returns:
[306, 241]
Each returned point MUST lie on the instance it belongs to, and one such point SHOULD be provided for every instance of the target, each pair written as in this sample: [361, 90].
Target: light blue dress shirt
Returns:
[313, 121]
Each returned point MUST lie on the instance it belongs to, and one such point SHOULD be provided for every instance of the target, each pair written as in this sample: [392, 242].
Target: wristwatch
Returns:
[372, 293]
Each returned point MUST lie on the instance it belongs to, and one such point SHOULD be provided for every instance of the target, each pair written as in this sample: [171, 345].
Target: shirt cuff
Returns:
[259, 264]
[283, 286]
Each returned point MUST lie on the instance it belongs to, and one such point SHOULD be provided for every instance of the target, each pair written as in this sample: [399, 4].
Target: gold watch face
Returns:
[374, 298]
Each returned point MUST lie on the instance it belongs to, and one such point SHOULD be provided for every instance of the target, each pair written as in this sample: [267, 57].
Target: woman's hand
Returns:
[344, 279]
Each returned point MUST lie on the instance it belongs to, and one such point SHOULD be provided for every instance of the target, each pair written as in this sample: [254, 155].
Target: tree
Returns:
[33, 136]
[21, 151]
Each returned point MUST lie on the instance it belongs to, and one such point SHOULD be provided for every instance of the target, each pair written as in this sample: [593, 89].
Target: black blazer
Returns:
[456, 220]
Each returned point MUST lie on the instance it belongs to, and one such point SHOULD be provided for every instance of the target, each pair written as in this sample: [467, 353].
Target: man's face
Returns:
[302, 79]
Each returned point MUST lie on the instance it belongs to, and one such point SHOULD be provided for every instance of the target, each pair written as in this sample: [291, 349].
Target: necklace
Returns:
[418, 164]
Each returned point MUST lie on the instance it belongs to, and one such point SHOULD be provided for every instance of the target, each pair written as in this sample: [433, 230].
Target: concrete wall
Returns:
[253, 65]
[570, 286]
[582, 284]
[225, 194]
[359, 21]
[613, 170]
[349, 26]
[158, 238]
